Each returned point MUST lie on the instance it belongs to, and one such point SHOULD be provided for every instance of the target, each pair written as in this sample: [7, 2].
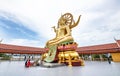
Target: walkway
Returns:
[91, 68]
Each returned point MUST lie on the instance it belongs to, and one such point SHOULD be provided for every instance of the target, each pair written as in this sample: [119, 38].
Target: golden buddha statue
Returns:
[63, 34]
[63, 31]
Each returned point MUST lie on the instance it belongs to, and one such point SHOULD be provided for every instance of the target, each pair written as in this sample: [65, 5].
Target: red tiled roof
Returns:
[98, 47]
[22, 49]
[111, 47]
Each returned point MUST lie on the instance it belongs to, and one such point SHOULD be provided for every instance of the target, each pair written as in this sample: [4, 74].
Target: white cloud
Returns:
[41, 15]
[24, 42]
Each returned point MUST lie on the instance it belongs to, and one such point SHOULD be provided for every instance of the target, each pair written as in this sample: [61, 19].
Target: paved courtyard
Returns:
[91, 68]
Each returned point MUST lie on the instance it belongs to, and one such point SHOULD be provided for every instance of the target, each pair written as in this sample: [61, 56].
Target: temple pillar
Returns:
[101, 58]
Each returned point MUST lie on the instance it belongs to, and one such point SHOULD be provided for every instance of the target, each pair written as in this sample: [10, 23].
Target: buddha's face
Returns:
[62, 22]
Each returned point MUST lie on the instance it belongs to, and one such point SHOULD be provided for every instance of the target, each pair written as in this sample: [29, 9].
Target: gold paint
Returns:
[116, 57]
[63, 34]
[63, 31]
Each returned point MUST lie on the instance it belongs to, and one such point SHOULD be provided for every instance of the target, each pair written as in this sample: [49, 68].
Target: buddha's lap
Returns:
[60, 39]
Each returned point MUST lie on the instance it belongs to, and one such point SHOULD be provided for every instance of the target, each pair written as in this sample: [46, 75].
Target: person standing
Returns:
[108, 57]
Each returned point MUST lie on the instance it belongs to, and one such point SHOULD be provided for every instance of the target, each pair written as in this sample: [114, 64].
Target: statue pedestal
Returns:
[50, 65]
[68, 55]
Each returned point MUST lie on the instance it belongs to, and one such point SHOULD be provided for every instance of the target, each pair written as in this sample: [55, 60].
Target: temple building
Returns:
[111, 48]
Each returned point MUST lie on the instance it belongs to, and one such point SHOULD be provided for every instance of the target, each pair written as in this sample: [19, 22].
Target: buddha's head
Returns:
[62, 22]
[66, 19]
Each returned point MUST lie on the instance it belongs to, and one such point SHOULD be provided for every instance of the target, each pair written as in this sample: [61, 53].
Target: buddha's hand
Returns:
[54, 28]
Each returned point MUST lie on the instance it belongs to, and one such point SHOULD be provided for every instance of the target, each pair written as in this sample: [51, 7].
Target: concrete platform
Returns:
[91, 68]
[51, 65]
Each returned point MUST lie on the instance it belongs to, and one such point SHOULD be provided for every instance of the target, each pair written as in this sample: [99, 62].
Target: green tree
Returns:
[5, 56]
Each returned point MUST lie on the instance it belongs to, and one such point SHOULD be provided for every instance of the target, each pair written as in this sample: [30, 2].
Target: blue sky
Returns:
[29, 22]
[16, 29]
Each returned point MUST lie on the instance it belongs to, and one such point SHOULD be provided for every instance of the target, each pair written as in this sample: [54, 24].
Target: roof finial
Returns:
[115, 39]
[1, 41]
